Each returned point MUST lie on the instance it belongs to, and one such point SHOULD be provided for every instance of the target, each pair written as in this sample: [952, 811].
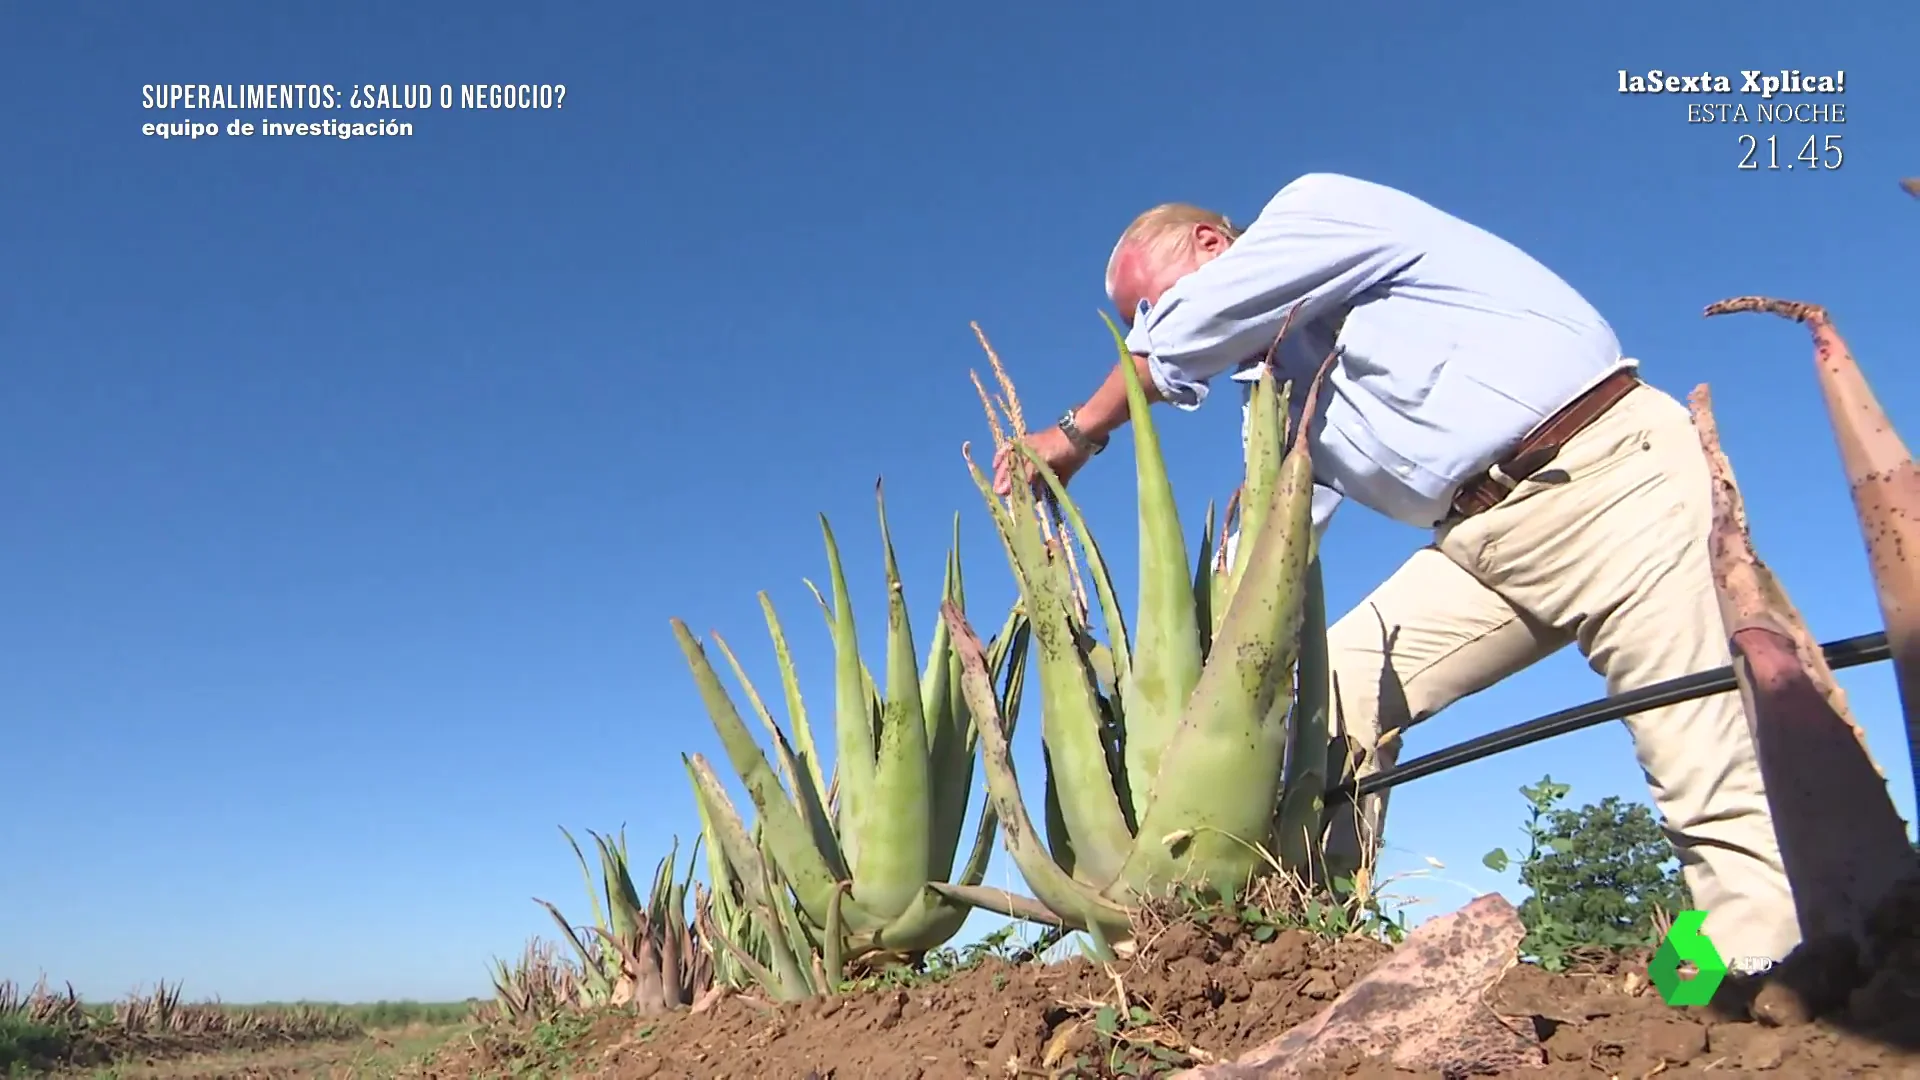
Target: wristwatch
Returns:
[1080, 439]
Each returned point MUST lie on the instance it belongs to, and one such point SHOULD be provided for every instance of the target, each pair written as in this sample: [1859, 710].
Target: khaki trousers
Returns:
[1605, 548]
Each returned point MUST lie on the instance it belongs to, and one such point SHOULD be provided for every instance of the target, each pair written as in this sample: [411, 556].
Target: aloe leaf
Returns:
[1008, 663]
[1002, 902]
[742, 955]
[929, 922]
[661, 893]
[586, 872]
[796, 706]
[835, 944]
[623, 902]
[853, 698]
[934, 686]
[595, 974]
[1203, 584]
[786, 832]
[1297, 828]
[892, 819]
[1112, 616]
[720, 870]
[693, 856]
[1166, 657]
[1058, 891]
[1219, 781]
[804, 776]
[1059, 836]
[719, 815]
[949, 758]
[784, 946]
[789, 772]
[1218, 597]
[1070, 718]
[1264, 451]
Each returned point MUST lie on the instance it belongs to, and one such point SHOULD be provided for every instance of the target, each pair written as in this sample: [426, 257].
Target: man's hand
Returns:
[1050, 445]
[1098, 419]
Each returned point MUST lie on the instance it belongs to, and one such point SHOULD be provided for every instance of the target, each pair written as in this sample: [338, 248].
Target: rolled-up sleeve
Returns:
[1325, 502]
[1302, 250]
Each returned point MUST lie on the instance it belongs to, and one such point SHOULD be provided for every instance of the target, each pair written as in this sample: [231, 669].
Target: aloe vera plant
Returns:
[724, 910]
[863, 865]
[641, 953]
[755, 931]
[537, 985]
[1183, 750]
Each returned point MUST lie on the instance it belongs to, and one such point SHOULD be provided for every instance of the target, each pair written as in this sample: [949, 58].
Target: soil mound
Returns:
[1197, 995]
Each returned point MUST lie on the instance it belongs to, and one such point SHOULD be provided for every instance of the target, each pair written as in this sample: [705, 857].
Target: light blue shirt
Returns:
[1455, 342]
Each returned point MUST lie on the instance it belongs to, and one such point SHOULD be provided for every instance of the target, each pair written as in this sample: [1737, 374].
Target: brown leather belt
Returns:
[1541, 445]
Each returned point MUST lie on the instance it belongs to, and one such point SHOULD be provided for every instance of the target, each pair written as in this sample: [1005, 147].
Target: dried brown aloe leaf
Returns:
[1886, 492]
[1842, 842]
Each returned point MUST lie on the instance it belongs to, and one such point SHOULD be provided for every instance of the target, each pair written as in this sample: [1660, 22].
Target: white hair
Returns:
[1164, 233]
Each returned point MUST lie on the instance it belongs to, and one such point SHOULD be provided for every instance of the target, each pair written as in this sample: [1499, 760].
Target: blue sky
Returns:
[351, 485]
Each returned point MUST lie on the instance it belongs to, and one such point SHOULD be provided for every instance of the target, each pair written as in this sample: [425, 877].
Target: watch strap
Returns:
[1070, 427]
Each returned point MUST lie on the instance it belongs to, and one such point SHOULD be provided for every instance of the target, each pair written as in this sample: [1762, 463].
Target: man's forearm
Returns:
[1106, 411]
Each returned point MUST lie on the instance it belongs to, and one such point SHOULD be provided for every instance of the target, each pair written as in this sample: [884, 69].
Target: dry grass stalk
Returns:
[1053, 523]
[1841, 840]
[1885, 485]
[1127, 1027]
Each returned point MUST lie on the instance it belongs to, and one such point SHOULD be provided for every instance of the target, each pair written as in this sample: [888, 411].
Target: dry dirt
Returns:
[1199, 995]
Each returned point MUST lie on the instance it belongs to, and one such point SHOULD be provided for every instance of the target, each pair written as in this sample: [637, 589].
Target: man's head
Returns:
[1162, 246]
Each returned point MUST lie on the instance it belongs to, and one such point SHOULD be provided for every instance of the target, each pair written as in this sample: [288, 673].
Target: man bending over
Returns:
[1478, 395]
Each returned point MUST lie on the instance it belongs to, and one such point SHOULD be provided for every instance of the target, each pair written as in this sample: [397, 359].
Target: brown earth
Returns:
[1198, 995]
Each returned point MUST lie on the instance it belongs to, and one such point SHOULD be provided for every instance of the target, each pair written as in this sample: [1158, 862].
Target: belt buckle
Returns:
[1500, 479]
[1463, 500]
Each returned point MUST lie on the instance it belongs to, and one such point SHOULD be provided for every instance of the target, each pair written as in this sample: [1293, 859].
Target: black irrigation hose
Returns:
[1845, 653]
